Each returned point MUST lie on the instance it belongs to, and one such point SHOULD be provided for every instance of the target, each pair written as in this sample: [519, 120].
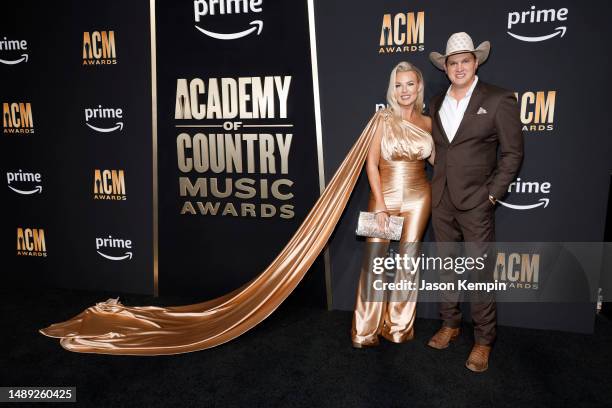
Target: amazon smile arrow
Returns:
[107, 130]
[558, 30]
[258, 26]
[543, 202]
[116, 258]
[38, 189]
[24, 58]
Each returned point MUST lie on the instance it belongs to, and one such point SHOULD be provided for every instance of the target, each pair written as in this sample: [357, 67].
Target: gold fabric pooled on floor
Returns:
[112, 328]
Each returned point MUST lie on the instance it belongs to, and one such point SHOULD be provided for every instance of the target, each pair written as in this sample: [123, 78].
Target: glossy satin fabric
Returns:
[403, 141]
[407, 193]
[112, 328]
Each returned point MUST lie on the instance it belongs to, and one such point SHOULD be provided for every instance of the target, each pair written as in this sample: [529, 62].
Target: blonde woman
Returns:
[395, 167]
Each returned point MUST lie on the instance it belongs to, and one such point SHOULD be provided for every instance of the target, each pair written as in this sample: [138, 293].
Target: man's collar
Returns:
[469, 92]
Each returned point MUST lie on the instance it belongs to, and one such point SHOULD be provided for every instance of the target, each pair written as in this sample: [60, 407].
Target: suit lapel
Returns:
[442, 128]
[437, 118]
[472, 108]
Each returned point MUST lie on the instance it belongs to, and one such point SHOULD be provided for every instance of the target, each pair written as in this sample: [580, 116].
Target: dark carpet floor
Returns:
[302, 356]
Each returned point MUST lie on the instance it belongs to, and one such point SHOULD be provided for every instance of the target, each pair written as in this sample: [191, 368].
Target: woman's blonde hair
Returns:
[392, 101]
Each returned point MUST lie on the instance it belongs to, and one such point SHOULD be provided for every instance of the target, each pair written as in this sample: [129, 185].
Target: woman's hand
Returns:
[382, 219]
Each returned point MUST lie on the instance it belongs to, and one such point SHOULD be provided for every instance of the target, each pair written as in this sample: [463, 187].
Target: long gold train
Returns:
[112, 328]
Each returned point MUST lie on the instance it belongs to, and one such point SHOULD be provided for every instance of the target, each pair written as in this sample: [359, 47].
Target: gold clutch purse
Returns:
[368, 227]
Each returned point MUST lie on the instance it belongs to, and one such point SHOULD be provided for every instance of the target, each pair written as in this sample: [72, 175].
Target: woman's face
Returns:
[406, 88]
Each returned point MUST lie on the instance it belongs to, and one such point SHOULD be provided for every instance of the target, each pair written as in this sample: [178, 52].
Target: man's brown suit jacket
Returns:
[470, 165]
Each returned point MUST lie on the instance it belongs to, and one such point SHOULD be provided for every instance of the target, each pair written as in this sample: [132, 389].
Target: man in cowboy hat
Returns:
[472, 120]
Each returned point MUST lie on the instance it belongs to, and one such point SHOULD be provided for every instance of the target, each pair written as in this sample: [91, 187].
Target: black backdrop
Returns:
[209, 255]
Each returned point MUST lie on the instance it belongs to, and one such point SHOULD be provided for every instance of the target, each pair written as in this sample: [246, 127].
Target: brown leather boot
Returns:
[443, 337]
[478, 361]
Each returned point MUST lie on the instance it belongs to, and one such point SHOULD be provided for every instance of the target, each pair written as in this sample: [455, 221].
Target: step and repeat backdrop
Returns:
[75, 94]
[551, 54]
[185, 167]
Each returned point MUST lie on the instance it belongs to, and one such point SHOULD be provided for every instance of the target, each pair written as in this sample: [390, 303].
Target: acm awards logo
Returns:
[537, 110]
[31, 242]
[27, 183]
[204, 8]
[105, 120]
[99, 48]
[402, 32]
[17, 118]
[526, 20]
[109, 185]
[12, 52]
[121, 249]
[536, 194]
[518, 270]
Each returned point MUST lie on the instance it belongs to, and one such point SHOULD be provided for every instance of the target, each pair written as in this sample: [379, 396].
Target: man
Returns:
[471, 122]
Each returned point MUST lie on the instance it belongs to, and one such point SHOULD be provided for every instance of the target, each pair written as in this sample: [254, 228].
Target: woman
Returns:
[396, 172]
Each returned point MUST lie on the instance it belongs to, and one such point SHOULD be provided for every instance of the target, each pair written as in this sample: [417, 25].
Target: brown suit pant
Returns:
[476, 227]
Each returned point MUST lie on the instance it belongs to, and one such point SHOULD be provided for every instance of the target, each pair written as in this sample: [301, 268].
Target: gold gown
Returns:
[407, 193]
[113, 328]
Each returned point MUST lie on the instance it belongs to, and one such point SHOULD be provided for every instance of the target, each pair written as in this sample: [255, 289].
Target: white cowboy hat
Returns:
[458, 43]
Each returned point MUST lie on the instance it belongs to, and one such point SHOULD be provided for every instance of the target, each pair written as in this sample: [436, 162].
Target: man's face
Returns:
[461, 68]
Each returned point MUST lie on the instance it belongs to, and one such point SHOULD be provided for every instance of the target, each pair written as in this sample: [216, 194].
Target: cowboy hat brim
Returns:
[481, 52]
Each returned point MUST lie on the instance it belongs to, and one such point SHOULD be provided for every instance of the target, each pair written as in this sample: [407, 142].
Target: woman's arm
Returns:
[374, 176]
[372, 169]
